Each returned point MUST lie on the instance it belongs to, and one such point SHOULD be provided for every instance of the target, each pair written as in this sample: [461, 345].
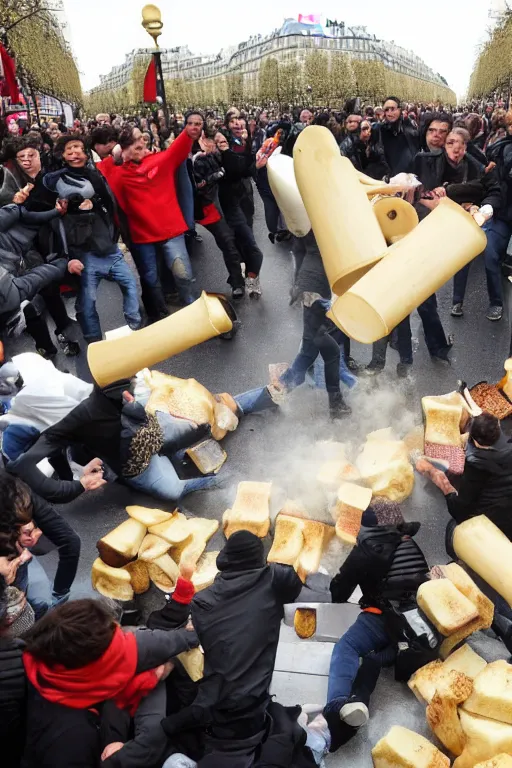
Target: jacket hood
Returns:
[238, 582]
[497, 460]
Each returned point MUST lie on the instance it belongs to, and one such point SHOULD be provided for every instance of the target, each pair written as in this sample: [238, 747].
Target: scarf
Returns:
[112, 676]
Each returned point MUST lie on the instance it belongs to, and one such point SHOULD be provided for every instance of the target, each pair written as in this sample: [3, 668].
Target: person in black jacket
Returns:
[397, 136]
[365, 155]
[239, 165]
[458, 175]
[12, 690]
[89, 236]
[486, 484]
[76, 659]
[500, 154]
[388, 566]
[237, 621]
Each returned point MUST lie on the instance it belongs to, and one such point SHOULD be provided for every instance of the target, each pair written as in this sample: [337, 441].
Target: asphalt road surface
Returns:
[279, 446]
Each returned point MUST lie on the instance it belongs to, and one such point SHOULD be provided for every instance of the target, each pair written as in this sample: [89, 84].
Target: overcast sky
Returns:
[445, 33]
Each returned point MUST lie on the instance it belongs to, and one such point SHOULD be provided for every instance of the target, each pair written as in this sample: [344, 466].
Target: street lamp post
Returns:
[153, 24]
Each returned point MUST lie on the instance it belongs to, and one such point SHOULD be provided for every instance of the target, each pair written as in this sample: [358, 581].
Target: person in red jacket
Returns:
[144, 186]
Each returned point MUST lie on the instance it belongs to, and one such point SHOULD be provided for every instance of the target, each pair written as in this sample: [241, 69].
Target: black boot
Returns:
[337, 406]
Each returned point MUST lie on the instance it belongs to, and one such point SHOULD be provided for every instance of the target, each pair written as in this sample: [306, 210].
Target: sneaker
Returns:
[238, 292]
[253, 286]
[457, 310]
[494, 313]
[272, 237]
[355, 713]
[283, 235]
[337, 406]
[403, 370]
[70, 348]
[353, 365]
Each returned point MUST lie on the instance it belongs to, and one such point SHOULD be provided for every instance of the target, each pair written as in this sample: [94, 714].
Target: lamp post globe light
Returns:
[153, 24]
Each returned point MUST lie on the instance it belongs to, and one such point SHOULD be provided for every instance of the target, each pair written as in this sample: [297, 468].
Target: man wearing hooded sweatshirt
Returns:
[389, 567]
[237, 621]
[397, 136]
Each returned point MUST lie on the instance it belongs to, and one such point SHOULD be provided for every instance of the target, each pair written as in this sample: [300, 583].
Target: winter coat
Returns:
[13, 687]
[373, 163]
[238, 621]
[385, 564]
[8, 186]
[95, 424]
[486, 485]
[146, 192]
[239, 165]
[501, 154]
[18, 230]
[14, 290]
[208, 168]
[310, 272]
[431, 171]
[62, 737]
[84, 231]
[399, 141]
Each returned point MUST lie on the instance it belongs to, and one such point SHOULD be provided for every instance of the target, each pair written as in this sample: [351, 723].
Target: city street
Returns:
[279, 446]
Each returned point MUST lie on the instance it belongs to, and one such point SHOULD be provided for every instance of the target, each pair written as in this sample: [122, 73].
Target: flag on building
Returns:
[312, 18]
[150, 91]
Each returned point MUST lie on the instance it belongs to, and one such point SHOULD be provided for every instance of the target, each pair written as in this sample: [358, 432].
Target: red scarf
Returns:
[112, 676]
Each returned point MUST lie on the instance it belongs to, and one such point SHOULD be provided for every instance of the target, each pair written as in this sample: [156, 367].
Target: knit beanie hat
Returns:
[382, 512]
[184, 591]
[243, 551]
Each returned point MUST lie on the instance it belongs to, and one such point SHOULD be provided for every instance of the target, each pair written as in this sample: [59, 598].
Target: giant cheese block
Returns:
[396, 217]
[283, 184]
[402, 748]
[487, 551]
[412, 270]
[346, 229]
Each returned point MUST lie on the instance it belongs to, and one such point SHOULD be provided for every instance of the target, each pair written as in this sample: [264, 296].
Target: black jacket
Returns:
[239, 164]
[431, 171]
[208, 168]
[61, 737]
[15, 289]
[501, 154]
[371, 162]
[18, 230]
[60, 533]
[12, 701]
[95, 424]
[385, 564]
[310, 273]
[399, 142]
[238, 620]
[486, 486]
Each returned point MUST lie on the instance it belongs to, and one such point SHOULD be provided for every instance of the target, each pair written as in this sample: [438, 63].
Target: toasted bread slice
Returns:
[206, 571]
[316, 537]
[446, 607]
[465, 660]
[193, 663]
[208, 456]
[467, 586]
[164, 573]
[111, 582]
[139, 576]
[443, 415]
[506, 382]
[484, 739]
[335, 468]
[437, 674]
[121, 545]
[304, 622]
[402, 748]
[492, 693]
[152, 547]
[175, 531]
[288, 540]
[423, 682]
[385, 468]
[294, 508]
[190, 550]
[149, 517]
[442, 712]
[250, 512]
[352, 501]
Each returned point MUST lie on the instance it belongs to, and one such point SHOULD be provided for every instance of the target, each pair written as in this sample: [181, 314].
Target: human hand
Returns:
[439, 192]
[92, 477]
[490, 167]
[75, 267]
[110, 749]
[62, 206]
[29, 535]
[261, 159]
[21, 196]
[25, 556]
[9, 569]
[187, 570]
[86, 205]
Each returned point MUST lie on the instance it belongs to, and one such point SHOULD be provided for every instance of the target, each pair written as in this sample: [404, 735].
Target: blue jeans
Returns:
[97, 268]
[254, 401]
[176, 259]
[498, 235]
[32, 580]
[161, 480]
[367, 635]
[17, 439]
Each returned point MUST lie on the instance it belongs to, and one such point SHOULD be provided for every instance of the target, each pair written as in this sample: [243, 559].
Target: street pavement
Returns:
[279, 446]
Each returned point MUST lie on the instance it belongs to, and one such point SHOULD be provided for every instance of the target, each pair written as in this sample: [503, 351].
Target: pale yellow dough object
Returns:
[487, 551]
[396, 217]
[402, 748]
[412, 270]
[117, 359]
[346, 229]
[283, 184]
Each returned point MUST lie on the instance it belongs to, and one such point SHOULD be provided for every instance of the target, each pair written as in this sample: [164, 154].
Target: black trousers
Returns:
[225, 240]
[237, 219]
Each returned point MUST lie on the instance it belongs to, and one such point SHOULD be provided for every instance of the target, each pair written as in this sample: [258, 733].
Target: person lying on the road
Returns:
[389, 566]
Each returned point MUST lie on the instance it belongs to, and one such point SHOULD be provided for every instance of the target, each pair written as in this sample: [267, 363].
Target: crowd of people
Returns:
[76, 687]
